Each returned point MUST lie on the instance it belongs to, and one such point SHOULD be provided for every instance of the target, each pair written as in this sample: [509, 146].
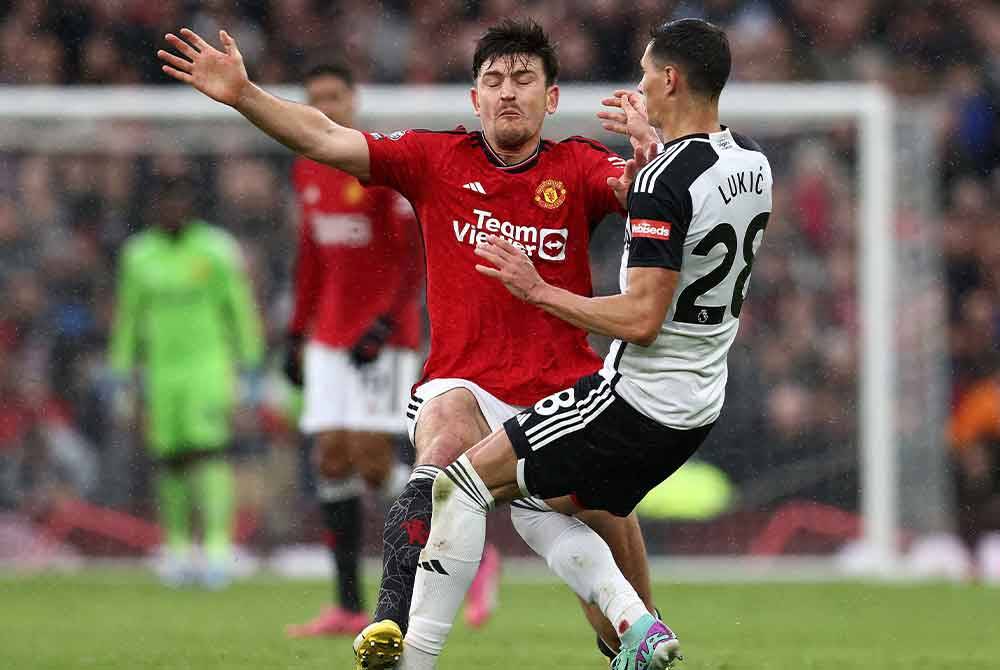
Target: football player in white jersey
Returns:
[697, 214]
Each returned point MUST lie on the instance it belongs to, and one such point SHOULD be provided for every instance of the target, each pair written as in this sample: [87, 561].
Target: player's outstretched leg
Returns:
[461, 502]
[551, 535]
[448, 564]
[449, 424]
[407, 525]
[624, 537]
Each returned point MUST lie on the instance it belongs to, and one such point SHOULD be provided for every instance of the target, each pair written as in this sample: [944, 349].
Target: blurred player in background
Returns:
[186, 315]
[490, 355]
[353, 341]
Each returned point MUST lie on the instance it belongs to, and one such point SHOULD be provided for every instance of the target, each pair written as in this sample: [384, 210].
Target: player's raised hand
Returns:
[220, 75]
[620, 185]
[616, 121]
[628, 117]
[513, 268]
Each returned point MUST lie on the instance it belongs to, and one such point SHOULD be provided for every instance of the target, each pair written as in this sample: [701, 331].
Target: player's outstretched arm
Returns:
[222, 76]
[634, 316]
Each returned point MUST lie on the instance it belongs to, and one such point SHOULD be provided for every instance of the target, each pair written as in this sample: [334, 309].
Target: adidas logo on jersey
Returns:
[475, 186]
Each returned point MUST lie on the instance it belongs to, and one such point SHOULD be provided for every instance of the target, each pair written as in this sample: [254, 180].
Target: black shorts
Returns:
[588, 443]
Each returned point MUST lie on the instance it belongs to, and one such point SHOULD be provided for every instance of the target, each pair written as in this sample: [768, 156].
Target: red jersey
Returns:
[359, 258]
[547, 205]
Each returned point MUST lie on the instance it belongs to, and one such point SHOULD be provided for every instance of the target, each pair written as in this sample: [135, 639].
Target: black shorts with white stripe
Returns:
[588, 443]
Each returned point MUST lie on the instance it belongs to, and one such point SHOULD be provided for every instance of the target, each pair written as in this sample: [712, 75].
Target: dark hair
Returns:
[328, 68]
[512, 38]
[700, 48]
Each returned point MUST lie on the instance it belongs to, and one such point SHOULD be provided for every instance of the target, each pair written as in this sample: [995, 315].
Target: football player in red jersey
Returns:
[353, 341]
[489, 355]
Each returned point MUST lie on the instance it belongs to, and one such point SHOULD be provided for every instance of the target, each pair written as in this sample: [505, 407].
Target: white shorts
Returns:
[494, 410]
[337, 395]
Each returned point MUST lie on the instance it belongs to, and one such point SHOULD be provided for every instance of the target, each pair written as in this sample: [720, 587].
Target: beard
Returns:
[512, 134]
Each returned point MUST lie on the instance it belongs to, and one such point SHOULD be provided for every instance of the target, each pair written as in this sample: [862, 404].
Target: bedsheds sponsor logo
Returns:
[547, 244]
[657, 230]
[550, 194]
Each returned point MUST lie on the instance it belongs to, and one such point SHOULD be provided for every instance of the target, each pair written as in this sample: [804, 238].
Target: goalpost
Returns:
[65, 120]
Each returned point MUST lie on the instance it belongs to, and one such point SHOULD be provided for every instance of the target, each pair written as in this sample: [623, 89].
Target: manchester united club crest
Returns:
[550, 194]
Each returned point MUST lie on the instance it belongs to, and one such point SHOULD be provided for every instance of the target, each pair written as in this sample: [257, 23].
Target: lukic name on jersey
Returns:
[737, 185]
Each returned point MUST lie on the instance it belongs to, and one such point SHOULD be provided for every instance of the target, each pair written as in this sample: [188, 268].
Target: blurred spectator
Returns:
[91, 41]
[975, 441]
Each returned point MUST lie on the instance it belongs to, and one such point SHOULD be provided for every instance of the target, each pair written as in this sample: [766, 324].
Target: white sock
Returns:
[581, 558]
[448, 563]
[395, 482]
[335, 490]
[414, 658]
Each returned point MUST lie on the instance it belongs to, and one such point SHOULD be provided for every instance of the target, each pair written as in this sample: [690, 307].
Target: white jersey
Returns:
[700, 208]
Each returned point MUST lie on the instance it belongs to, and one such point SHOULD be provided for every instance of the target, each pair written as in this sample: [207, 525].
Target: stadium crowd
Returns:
[794, 369]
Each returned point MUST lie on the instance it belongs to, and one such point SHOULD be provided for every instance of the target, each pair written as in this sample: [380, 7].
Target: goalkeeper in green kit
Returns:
[186, 315]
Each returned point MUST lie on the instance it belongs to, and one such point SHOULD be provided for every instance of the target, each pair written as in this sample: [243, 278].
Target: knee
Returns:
[449, 426]
[331, 458]
[442, 449]
[372, 477]
[528, 524]
[442, 490]
[541, 530]
[373, 459]
[524, 521]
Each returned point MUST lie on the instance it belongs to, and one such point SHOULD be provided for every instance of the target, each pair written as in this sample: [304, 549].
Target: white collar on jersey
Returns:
[722, 139]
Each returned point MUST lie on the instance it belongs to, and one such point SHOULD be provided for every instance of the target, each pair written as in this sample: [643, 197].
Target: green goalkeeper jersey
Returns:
[184, 305]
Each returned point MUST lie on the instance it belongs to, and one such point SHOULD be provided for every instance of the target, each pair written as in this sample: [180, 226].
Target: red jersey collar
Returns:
[495, 159]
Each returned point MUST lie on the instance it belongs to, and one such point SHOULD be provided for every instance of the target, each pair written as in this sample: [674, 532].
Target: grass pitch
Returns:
[126, 621]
